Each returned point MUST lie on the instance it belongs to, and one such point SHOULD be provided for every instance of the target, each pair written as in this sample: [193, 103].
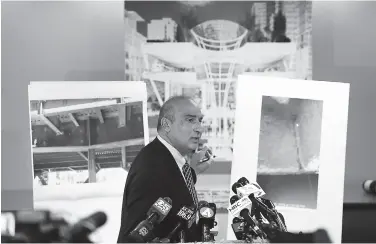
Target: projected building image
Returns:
[205, 58]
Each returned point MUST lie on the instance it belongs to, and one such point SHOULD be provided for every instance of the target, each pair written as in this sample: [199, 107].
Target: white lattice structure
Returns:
[211, 65]
[218, 35]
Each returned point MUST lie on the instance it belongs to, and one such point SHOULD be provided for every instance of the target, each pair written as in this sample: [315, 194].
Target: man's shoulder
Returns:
[152, 154]
[153, 149]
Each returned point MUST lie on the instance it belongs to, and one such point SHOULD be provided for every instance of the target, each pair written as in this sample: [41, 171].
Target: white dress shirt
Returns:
[179, 159]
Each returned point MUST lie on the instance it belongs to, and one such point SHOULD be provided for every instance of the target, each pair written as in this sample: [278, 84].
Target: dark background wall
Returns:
[56, 41]
[344, 51]
[49, 41]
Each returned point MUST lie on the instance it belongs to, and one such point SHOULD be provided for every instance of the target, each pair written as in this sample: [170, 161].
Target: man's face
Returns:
[186, 130]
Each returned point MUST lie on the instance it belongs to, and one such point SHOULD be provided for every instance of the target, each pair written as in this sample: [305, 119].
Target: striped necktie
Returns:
[189, 180]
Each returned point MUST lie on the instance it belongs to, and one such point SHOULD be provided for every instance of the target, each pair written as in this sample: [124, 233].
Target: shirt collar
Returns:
[180, 160]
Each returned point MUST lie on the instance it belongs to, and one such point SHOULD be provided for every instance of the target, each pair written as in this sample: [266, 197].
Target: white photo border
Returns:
[335, 96]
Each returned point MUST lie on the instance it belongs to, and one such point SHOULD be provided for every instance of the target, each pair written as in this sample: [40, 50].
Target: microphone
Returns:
[238, 226]
[237, 204]
[235, 187]
[240, 208]
[369, 186]
[159, 210]
[260, 206]
[234, 198]
[17, 238]
[79, 232]
[214, 224]
[243, 181]
[243, 188]
[245, 214]
[156, 214]
[142, 233]
[186, 216]
[241, 229]
[32, 226]
[43, 226]
[272, 215]
[271, 206]
[206, 219]
[208, 155]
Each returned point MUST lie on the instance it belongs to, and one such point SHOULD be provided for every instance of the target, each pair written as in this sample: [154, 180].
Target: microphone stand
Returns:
[271, 212]
[181, 236]
[206, 237]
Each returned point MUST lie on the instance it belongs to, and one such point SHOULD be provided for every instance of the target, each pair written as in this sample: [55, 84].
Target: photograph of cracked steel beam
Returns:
[289, 150]
[290, 138]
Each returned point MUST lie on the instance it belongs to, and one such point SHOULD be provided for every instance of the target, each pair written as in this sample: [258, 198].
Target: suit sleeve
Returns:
[143, 190]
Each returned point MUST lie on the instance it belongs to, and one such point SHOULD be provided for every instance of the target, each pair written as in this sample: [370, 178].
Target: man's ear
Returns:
[166, 124]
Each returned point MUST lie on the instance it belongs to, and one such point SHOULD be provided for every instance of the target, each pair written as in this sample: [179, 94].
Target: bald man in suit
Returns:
[163, 169]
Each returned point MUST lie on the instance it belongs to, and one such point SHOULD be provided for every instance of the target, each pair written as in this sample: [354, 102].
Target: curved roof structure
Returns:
[219, 41]
[220, 30]
[219, 35]
[188, 55]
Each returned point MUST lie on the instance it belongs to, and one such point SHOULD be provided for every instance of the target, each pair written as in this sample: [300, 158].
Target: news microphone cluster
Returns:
[143, 233]
[254, 216]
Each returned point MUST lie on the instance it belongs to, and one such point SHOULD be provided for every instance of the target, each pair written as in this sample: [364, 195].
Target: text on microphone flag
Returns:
[185, 213]
[236, 207]
[163, 206]
[252, 188]
[206, 212]
[143, 231]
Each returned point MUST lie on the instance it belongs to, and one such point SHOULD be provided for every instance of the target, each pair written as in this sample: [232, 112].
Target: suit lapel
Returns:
[172, 169]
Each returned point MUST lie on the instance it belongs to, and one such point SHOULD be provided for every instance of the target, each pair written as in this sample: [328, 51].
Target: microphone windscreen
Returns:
[236, 220]
[235, 187]
[243, 181]
[98, 219]
[167, 199]
[202, 204]
[369, 186]
[233, 199]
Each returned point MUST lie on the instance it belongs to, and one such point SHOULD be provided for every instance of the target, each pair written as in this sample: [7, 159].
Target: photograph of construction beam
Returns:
[76, 140]
[290, 132]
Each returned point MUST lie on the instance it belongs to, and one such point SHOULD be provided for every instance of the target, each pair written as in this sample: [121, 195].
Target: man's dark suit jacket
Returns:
[154, 173]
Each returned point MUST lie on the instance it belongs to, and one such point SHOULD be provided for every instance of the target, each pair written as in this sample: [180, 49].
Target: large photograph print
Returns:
[289, 150]
[84, 137]
[290, 138]
[198, 48]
